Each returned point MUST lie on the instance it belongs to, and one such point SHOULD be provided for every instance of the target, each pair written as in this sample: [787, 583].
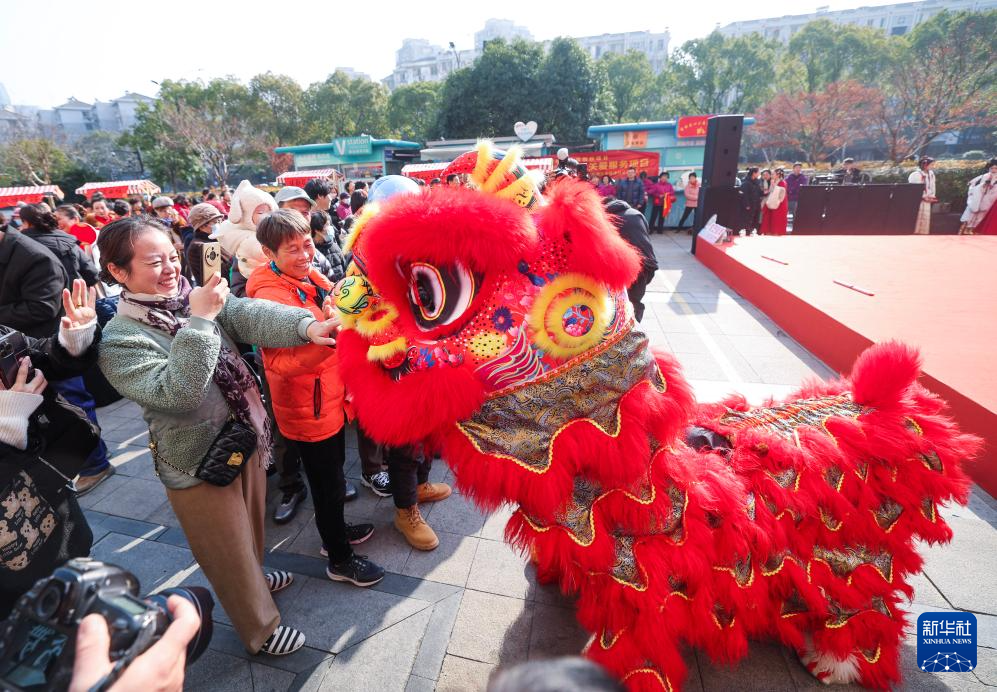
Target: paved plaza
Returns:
[446, 619]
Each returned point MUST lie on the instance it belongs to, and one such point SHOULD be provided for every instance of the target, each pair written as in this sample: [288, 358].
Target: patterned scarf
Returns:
[232, 375]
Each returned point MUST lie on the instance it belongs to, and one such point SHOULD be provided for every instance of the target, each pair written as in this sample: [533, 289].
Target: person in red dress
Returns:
[69, 222]
[775, 209]
[989, 224]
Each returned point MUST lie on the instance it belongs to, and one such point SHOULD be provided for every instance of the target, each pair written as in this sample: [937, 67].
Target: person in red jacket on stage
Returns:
[307, 391]
[775, 208]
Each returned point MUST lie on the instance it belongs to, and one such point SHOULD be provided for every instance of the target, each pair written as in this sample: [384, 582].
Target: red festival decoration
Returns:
[691, 126]
[615, 162]
[492, 325]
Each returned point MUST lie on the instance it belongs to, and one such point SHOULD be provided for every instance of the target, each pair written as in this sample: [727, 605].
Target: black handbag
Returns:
[224, 460]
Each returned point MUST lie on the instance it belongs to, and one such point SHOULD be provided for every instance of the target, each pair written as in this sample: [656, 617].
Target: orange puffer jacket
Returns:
[304, 381]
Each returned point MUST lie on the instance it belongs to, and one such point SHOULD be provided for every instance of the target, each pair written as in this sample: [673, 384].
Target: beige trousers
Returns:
[224, 527]
[923, 224]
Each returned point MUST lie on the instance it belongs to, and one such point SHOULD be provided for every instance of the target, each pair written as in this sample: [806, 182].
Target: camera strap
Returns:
[70, 483]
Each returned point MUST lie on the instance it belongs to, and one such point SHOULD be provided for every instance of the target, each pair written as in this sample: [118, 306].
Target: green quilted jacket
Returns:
[171, 377]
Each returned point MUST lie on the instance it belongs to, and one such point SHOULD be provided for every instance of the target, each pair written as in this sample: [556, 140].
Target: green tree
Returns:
[343, 107]
[278, 106]
[632, 85]
[214, 120]
[829, 53]
[720, 74]
[576, 93]
[102, 153]
[502, 87]
[167, 158]
[33, 162]
[413, 110]
[943, 77]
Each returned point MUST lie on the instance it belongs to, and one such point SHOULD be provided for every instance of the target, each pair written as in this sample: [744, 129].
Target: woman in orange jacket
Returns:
[306, 389]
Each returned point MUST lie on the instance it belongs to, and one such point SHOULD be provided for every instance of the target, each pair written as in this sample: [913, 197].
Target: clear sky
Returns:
[100, 49]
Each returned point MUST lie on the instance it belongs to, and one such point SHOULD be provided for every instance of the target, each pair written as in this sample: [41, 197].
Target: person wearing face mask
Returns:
[203, 219]
[171, 349]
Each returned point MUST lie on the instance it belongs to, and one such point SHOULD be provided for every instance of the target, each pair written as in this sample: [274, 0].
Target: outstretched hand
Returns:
[79, 305]
[159, 669]
[324, 333]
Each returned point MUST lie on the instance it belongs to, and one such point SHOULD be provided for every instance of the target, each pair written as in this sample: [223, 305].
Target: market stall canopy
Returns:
[29, 194]
[299, 178]
[119, 189]
[428, 171]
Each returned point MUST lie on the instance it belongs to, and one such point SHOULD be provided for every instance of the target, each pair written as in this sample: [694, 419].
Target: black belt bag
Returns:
[223, 462]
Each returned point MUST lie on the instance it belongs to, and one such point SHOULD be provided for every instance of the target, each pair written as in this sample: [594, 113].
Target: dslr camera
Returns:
[38, 640]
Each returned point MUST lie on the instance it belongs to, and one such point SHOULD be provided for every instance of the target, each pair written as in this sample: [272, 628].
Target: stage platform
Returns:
[938, 293]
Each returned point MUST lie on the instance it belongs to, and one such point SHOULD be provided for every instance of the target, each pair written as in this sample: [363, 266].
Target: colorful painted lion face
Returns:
[456, 295]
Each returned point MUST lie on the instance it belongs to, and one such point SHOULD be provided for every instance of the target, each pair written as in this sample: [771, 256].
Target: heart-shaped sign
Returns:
[525, 131]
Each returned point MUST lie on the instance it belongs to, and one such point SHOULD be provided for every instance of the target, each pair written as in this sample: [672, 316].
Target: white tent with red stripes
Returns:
[119, 189]
[29, 194]
[299, 178]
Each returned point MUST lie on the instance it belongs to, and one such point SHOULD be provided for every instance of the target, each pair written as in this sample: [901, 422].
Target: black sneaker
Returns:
[358, 570]
[379, 483]
[288, 506]
[355, 534]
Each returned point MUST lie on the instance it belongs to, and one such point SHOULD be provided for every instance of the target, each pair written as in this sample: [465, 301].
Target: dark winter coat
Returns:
[337, 263]
[48, 525]
[633, 228]
[31, 283]
[64, 246]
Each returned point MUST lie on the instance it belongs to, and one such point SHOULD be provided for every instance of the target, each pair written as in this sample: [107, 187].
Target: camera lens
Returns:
[48, 603]
[203, 602]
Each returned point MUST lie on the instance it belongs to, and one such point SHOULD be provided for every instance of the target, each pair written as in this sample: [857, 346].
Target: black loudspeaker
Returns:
[723, 147]
[718, 194]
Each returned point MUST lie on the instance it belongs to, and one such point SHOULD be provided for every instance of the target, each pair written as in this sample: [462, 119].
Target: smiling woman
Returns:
[171, 349]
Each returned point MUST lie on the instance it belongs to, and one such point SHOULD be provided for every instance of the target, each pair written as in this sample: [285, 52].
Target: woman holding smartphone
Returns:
[171, 349]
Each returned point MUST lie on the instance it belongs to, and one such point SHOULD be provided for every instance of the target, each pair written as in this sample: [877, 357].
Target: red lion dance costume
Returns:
[494, 324]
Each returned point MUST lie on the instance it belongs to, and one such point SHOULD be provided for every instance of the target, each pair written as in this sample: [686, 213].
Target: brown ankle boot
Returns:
[415, 529]
[432, 492]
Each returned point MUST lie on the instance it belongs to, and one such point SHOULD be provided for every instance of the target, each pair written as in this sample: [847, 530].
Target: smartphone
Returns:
[211, 260]
[13, 347]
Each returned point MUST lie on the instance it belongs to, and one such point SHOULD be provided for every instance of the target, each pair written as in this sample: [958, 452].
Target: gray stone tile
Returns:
[433, 648]
[153, 563]
[413, 587]
[269, 679]
[135, 461]
[785, 371]
[464, 675]
[555, 632]
[701, 366]
[381, 662]
[449, 563]
[108, 486]
[128, 432]
[417, 684]
[163, 514]
[136, 498]
[334, 616]
[950, 566]
[132, 527]
[174, 536]
[217, 671]
[368, 507]
[457, 514]
[304, 659]
[986, 666]
[764, 668]
[491, 629]
[926, 594]
[499, 569]
[281, 536]
[494, 527]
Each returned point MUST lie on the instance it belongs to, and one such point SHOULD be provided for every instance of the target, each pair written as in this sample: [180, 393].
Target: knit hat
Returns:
[162, 201]
[202, 214]
[245, 199]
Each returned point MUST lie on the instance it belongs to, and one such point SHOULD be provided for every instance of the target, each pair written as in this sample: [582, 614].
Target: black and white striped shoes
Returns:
[283, 641]
[278, 580]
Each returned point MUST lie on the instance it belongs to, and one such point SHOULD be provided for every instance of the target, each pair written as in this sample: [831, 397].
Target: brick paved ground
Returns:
[445, 620]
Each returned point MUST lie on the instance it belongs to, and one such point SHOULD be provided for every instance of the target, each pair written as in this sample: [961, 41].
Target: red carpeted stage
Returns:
[936, 292]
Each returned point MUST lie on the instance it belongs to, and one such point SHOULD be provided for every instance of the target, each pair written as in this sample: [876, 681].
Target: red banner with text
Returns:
[615, 162]
[691, 126]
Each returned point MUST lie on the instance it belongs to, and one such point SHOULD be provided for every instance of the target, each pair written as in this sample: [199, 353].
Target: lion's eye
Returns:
[439, 295]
